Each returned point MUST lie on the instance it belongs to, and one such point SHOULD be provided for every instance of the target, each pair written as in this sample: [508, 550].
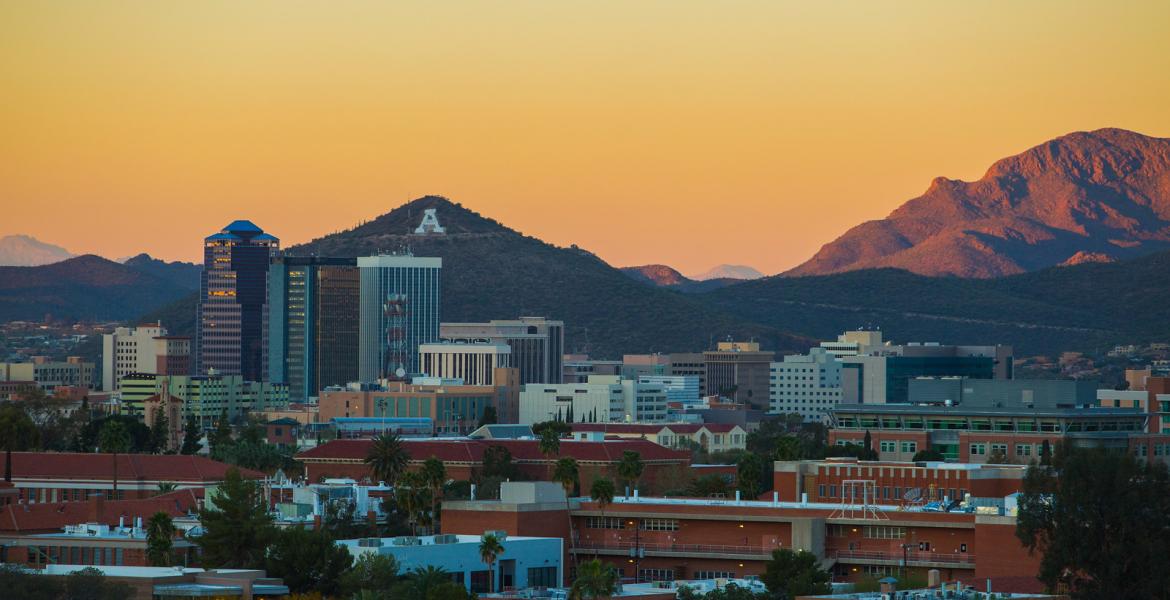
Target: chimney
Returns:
[97, 507]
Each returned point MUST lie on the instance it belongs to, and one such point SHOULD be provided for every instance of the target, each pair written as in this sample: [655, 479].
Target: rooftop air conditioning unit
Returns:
[407, 540]
[446, 538]
[369, 543]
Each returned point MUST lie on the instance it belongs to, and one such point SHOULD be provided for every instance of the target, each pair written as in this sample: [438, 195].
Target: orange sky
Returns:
[689, 133]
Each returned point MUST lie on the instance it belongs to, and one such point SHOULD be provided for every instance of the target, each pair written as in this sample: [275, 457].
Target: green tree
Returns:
[308, 560]
[560, 427]
[91, 584]
[497, 463]
[19, 583]
[387, 458]
[490, 549]
[17, 433]
[114, 439]
[434, 475]
[221, 438]
[867, 443]
[237, 529]
[549, 444]
[166, 487]
[630, 468]
[1099, 519]
[160, 534]
[750, 475]
[566, 474]
[160, 436]
[595, 580]
[411, 495]
[373, 572]
[602, 491]
[191, 436]
[790, 574]
[928, 455]
[709, 486]
[727, 592]
[488, 417]
[1046, 453]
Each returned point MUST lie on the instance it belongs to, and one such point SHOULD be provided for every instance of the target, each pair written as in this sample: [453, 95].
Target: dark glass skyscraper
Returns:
[313, 323]
[231, 320]
[400, 296]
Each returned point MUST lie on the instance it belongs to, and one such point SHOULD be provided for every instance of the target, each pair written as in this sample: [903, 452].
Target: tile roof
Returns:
[652, 428]
[51, 517]
[472, 450]
[178, 468]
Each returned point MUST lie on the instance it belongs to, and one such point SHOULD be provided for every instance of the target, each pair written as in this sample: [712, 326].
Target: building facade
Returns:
[537, 343]
[399, 310]
[806, 384]
[205, 397]
[883, 375]
[739, 371]
[231, 322]
[129, 350]
[313, 323]
[454, 409]
[49, 374]
[475, 364]
[602, 399]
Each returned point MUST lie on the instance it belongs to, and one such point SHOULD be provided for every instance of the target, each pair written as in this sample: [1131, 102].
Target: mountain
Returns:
[660, 275]
[182, 274]
[83, 288]
[493, 272]
[26, 251]
[1088, 306]
[728, 272]
[1104, 194]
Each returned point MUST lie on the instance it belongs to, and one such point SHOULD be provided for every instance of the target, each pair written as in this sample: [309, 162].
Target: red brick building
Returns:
[894, 482]
[464, 458]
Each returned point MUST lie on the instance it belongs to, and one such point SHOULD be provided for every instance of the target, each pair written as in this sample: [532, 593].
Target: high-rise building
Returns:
[882, 374]
[537, 343]
[808, 384]
[602, 399]
[313, 323]
[740, 371]
[129, 350]
[691, 364]
[399, 309]
[231, 323]
[475, 364]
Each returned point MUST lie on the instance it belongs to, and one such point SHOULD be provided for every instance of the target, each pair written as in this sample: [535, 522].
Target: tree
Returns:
[160, 534]
[490, 549]
[373, 572]
[595, 580]
[17, 432]
[221, 437]
[566, 473]
[191, 436]
[867, 443]
[730, 591]
[308, 560]
[928, 455]
[1045, 453]
[237, 529]
[18, 583]
[387, 458]
[709, 486]
[998, 457]
[560, 427]
[114, 439]
[787, 447]
[550, 444]
[630, 468]
[749, 475]
[434, 475]
[488, 417]
[497, 463]
[166, 487]
[160, 436]
[1099, 519]
[790, 574]
[411, 495]
[91, 584]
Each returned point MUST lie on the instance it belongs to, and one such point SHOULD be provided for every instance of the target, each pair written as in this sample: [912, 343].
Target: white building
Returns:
[853, 343]
[129, 350]
[474, 363]
[683, 389]
[603, 398]
[808, 384]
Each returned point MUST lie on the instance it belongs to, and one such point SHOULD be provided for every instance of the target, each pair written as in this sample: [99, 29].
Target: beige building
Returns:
[739, 371]
[452, 408]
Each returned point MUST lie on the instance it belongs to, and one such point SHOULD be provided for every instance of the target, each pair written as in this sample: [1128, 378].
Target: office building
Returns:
[454, 408]
[129, 350]
[475, 364]
[637, 365]
[690, 364]
[806, 384]
[204, 397]
[172, 355]
[231, 324]
[399, 310]
[739, 371]
[538, 344]
[853, 343]
[313, 323]
[881, 374]
[602, 399]
[49, 374]
[680, 389]
[578, 367]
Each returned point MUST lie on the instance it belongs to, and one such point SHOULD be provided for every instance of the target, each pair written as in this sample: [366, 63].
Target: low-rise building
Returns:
[48, 374]
[453, 408]
[474, 363]
[805, 384]
[601, 399]
[204, 397]
[713, 437]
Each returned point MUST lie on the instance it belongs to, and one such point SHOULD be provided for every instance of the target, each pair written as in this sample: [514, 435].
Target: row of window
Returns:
[644, 525]
[73, 555]
[894, 493]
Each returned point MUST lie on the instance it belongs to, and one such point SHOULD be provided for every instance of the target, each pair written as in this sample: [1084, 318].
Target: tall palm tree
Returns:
[566, 474]
[387, 458]
[434, 473]
[550, 443]
[601, 491]
[630, 468]
[490, 549]
[160, 533]
[595, 580]
[409, 494]
[115, 439]
[17, 432]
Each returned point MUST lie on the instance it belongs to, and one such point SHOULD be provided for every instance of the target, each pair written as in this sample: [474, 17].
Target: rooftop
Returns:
[471, 451]
[53, 517]
[176, 468]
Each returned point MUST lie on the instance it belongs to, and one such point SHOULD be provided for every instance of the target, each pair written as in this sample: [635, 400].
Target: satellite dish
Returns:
[400, 372]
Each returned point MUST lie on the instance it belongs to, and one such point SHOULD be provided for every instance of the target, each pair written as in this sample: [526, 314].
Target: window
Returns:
[909, 446]
[888, 446]
[978, 449]
[1023, 449]
[884, 532]
[999, 449]
[821, 490]
[604, 523]
[659, 525]
[543, 577]
[656, 574]
[714, 574]
[837, 531]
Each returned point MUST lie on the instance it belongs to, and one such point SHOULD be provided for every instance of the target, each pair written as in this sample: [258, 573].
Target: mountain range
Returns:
[27, 251]
[1093, 196]
[667, 277]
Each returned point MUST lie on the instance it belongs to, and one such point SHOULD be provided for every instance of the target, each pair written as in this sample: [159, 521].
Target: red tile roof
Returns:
[522, 450]
[177, 468]
[652, 428]
[51, 517]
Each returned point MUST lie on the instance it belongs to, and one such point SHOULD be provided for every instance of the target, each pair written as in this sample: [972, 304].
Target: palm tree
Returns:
[435, 475]
[601, 491]
[430, 576]
[408, 493]
[630, 468]
[387, 458]
[490, 549]
[114, 439]
[566, 474]
[595, 580]
[550, 443]
[17, 432]
[165, 487]
[160, 533]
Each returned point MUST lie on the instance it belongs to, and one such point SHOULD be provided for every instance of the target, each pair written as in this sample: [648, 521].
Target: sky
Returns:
[677, 132]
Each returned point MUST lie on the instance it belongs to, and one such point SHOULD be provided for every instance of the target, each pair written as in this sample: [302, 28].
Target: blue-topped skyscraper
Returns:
[231, 321]
[400, 297]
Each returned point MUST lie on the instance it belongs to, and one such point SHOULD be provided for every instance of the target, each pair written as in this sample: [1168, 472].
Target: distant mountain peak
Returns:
[26, 251]
[660, 275]
[726, 271]
[1095, 193]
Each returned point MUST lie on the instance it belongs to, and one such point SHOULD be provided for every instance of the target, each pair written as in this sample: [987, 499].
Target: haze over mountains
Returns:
[27, 251]
[1084, 197]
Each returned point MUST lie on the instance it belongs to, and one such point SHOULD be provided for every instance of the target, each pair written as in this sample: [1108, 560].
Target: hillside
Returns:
[1087, 306]
[743, 272]
[83, 288]
[27, 251]
[492, 272]
[1087, 196]
[182, 274]
[666, 277]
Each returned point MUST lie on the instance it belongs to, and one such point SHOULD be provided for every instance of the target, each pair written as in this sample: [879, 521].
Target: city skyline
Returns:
[801, 122]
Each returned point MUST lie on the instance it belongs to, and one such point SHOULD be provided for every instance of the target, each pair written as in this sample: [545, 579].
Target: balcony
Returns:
[913, 559]
[626, 548]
